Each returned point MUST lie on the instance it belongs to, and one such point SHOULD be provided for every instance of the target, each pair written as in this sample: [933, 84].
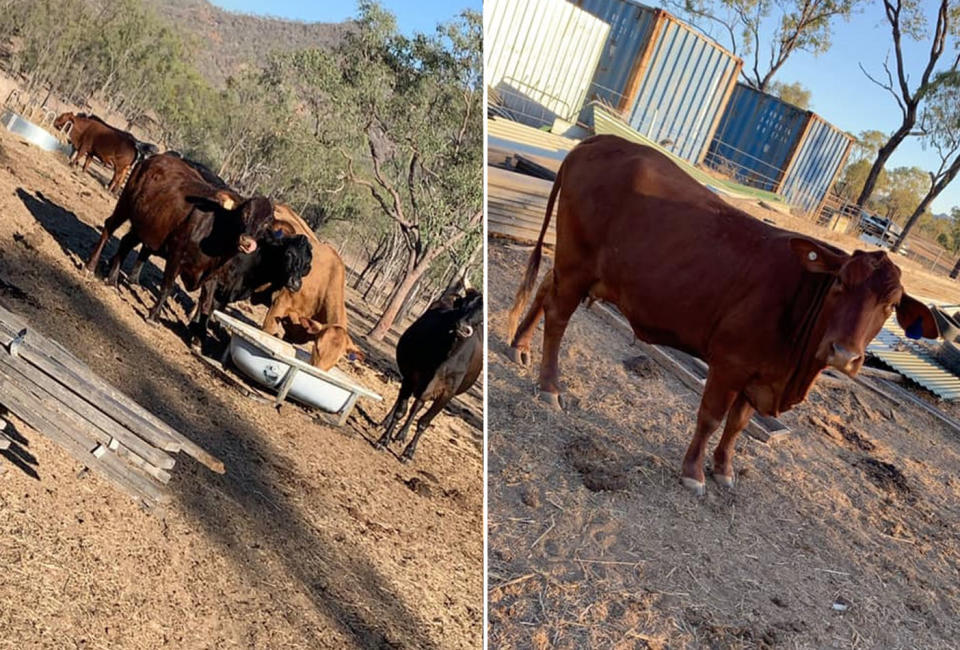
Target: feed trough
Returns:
[281, 367]
[32, 133]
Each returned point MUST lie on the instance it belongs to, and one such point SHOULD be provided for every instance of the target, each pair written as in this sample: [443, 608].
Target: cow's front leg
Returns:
[737, 418]
[716, 401]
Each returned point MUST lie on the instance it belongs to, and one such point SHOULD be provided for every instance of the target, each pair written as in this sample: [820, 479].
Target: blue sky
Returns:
[842, 95]
[412, 15]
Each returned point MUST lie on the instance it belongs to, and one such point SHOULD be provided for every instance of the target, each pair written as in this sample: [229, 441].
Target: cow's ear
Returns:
[915, 319]
[816, 258]
[312, 326]
[226, 199]
[283, 226]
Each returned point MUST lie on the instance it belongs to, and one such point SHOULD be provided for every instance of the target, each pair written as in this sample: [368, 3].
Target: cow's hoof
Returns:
[695, 486]
[723, 480]
[405, 459]
[520, 357]
[552, 399]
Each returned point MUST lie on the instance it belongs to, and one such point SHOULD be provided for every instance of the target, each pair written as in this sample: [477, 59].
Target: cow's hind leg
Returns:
[424, 422]
[110, 226]
[142, 257]
[559, 304]
[395, 415]
[127, 242]
[521, 341]
[714, 405]
[737, 418]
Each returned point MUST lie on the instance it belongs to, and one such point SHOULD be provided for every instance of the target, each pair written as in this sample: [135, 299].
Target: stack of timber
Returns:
[51, 390]
[516, 204]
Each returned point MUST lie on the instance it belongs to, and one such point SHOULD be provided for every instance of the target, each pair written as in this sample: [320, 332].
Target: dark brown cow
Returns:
[195, 226]
[91, 136]
[765, 308]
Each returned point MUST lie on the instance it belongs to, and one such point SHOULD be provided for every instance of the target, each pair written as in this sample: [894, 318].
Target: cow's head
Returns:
[470, 313]
[297, 258]
[331, 343]
[256, 214]
[866, 289]
[63, 119]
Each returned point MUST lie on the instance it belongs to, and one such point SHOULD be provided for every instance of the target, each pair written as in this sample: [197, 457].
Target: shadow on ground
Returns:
[245, 503]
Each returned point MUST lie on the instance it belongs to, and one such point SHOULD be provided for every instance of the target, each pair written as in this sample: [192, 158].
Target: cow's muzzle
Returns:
[844, 359]
[294, 284]
[464, 330]
[247, 244]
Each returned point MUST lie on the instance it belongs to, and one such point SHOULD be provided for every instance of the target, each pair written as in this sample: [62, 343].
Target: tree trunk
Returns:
[396, 301]
[884, 154]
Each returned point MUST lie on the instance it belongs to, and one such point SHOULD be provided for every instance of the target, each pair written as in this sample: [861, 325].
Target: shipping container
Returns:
[667, 80]
[765, 142]
[540, 57]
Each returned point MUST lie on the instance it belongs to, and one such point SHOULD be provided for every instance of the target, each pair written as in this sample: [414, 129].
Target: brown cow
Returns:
[317, 311]
[91, 136]
[765, 308]
[195, 226]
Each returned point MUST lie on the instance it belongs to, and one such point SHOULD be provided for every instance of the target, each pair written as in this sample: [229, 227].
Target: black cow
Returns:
[439, 356]
[279, 262]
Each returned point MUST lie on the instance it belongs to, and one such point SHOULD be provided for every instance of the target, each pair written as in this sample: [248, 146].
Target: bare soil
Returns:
[842, 534]
[312, 539]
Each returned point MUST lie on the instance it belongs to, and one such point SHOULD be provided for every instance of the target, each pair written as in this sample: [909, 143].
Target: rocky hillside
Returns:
[225, 42]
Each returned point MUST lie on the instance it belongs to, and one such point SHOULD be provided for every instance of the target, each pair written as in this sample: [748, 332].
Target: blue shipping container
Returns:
[770, 144]
[668, 81]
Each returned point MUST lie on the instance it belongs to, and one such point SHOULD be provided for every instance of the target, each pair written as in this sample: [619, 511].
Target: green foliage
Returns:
[793, 93]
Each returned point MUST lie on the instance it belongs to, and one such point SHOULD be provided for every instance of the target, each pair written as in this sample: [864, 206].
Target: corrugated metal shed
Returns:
[778, 147]
[669, 81]
[541, 56]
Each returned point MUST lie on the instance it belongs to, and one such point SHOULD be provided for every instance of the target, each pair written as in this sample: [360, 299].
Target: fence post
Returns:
[934, 266]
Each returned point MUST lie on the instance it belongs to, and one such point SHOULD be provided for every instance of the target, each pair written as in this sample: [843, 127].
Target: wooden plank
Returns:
[32, 411]
[103, 427]
[61, 414]
[55, 360]
[898, 395]
[5, 442]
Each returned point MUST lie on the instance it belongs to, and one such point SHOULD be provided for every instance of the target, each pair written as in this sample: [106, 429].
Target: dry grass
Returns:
[594, 542]
[311, 540]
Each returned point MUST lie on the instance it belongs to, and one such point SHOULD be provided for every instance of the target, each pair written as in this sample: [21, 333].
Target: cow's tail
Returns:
[533, 264]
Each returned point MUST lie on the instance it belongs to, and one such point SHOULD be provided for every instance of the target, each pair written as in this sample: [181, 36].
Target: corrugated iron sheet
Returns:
[669, 81]
[778, 147]
[914, 360]
[541, 55]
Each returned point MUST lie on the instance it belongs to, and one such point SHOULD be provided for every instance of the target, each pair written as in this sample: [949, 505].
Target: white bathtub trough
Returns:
[285, 369]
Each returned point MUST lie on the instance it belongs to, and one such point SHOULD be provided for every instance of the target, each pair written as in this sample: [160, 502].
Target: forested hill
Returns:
[226, 43]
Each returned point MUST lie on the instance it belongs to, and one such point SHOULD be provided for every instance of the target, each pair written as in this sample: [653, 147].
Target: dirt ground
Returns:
[593, 542]
[312, 539]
